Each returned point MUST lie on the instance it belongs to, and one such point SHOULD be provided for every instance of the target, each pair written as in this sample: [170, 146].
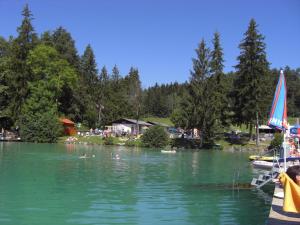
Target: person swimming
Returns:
[116, 156]
[83, 156]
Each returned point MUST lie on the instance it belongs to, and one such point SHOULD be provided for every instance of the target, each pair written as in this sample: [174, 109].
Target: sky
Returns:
[159, 37]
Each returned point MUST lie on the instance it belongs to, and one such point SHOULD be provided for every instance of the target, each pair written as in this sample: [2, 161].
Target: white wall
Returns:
[116, 127]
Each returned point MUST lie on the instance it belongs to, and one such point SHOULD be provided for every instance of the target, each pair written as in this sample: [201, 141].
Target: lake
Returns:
[48, 184]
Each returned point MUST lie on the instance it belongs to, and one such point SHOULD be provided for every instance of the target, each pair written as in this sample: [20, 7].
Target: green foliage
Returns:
[39, 118]
[156, 137]
[63, 42]
[197, 108]
[4, 83]
[277, 141]
[251, 87]
[47, 66]
[109, 141]
[133, 143]
[209, 101]
[39, 121]
[87, 92]
[20, 74]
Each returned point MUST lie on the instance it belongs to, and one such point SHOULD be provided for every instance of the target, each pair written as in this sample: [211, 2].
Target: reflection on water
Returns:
[43, 183]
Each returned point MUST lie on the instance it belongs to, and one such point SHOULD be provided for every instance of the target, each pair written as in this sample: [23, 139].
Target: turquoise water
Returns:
[48, 184]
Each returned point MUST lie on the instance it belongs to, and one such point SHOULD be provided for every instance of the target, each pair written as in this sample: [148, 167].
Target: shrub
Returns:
[277, 141]
[156, 137]
[109, 141]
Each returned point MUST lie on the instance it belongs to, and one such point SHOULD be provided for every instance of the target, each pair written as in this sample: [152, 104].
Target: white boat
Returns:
[168, 151]
[262, 164]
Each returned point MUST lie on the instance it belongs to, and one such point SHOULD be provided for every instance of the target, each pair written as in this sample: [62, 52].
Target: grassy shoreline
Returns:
[117, 141]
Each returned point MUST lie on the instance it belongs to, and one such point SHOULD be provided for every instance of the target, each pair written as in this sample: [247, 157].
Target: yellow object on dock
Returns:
[291, 201]
[277, 216]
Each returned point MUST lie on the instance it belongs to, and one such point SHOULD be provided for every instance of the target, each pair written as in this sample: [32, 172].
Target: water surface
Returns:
[48, 184]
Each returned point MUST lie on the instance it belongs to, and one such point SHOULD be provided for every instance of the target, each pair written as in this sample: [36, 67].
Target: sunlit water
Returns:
[48, 184]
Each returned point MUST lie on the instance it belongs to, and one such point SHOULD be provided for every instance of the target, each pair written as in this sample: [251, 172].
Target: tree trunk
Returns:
[250, 130]
[257, 130]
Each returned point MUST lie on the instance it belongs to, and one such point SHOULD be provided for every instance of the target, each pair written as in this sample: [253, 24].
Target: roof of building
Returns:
[158, 123]
[66, 121]
[132, 121]
[265, 127]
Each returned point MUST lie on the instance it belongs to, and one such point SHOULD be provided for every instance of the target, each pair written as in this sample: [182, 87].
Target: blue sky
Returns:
[159, 37]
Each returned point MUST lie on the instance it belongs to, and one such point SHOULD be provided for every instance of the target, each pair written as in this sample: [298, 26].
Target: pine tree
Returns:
[103, 96]
[88, 88]
[21, 46]
[65, 45]
[219, 92]
[115, 76]
[135, 94]
[197, 109]
[252, 75]
[5, 120]
[89, 68]
[63, 42]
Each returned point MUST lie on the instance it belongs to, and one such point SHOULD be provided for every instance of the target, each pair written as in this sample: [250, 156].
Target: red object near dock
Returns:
[69, 126]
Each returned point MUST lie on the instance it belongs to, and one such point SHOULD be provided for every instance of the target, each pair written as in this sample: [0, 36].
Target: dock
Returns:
[277, 216]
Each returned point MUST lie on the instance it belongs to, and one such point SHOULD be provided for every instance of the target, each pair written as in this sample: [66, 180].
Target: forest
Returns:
[43, 78]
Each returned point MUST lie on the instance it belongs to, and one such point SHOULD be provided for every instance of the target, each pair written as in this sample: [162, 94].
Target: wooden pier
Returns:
[277, 216]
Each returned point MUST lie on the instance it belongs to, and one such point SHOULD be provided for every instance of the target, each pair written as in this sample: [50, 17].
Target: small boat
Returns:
[168, 151]
[262, 158]
[262, 164]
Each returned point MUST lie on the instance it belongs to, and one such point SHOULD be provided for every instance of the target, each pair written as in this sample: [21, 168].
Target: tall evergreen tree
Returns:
[217, 83]
[5, 73]
[135, 94]
[252, 74]
[89, 85]
[103, 98]
[200, 93]
[115, 76]
[65, 45]
[197, 109]
[63, 42]
[21, 46]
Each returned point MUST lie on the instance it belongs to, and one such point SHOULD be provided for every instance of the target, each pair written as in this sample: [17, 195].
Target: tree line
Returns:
[43, 78]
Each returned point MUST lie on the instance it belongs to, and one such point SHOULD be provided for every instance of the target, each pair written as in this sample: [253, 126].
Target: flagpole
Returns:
[284, 150]
[278, 114]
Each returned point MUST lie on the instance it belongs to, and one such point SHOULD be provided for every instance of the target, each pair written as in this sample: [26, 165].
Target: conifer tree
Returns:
[89, 67]
[5, 120]
[197, 110]
[252, 75]
[115, 76]
[21, 75]
[217, 83]
[65, 45]
[103, 97]
[135, 94]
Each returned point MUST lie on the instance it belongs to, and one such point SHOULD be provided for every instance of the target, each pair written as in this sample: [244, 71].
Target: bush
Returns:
[133, 143]
[109, 141]
[277, 141]
[156, 137]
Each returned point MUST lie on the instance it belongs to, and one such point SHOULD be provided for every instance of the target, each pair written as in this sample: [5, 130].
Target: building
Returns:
[126, 126]
[69, 126]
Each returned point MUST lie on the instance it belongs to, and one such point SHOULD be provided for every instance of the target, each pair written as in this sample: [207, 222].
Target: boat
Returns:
[262, 158]
[262, 164]
[168, 151]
